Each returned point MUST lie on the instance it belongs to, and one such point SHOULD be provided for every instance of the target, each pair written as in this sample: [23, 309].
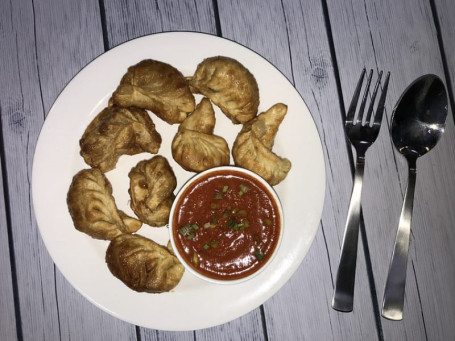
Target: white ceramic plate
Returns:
[81, 258]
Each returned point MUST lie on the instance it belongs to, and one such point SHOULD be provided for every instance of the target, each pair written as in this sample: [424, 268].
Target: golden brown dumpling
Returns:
[194, 147]
[158, 87]
[152, 184]
[143, 265]
[252, 148]
[118, 131]
[169, 248]
[229, 85]
[92, 207]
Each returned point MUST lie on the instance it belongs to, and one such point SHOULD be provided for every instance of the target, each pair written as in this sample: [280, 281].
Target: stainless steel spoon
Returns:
[418, 122]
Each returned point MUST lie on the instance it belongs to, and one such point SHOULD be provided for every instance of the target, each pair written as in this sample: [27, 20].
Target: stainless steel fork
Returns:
[362, 133]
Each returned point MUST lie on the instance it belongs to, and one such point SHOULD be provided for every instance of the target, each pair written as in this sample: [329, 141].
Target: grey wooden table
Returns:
[320, 46]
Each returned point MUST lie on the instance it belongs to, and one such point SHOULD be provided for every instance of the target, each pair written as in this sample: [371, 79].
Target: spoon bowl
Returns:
[418, 122]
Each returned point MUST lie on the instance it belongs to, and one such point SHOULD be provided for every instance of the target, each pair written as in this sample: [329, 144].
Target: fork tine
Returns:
[380, 109]
[355, 98]
[364, 99]
[373, 97]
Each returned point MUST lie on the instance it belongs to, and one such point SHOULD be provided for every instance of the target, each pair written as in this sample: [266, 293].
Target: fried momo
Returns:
[92, 207]
[194, 147]
[229, 85]
[152, 184]
[252, 148]
[142, 264]
[158, 87]
[118, 131]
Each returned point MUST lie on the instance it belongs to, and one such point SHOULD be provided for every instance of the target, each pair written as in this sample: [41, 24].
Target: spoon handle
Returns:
[393, 302]
[344, 286]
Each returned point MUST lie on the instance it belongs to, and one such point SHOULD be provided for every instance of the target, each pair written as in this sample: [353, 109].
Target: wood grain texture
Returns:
[41, 55]
[7, 309]
[372, 34]
[300, 50]
[66, 41]
[444, 11]
[22, 117]
[126, 20]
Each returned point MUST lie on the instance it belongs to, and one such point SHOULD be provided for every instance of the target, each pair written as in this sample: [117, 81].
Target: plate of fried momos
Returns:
[128, 131]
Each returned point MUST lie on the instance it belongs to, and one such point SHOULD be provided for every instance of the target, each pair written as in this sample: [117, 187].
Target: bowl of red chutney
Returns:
[226, 224]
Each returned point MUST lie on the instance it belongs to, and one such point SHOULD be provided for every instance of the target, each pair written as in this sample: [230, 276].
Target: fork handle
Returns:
[393, 301]
[344, 286]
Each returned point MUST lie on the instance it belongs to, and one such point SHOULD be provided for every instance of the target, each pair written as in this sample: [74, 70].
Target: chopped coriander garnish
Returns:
[232, 223]
[259, 255]
[185, 230]
[225, 188]
[244, 188]
[218, 195]
[206, 246]
[188, 231]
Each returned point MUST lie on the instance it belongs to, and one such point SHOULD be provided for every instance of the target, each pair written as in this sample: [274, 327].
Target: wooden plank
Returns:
[444, 12]
[298, 47]
[7, 309]
[440, 311]
[371, 33]
[40, 54]
[126, 20]
[22, 116]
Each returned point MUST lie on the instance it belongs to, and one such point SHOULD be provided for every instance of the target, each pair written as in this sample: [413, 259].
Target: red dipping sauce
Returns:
[227, 224]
